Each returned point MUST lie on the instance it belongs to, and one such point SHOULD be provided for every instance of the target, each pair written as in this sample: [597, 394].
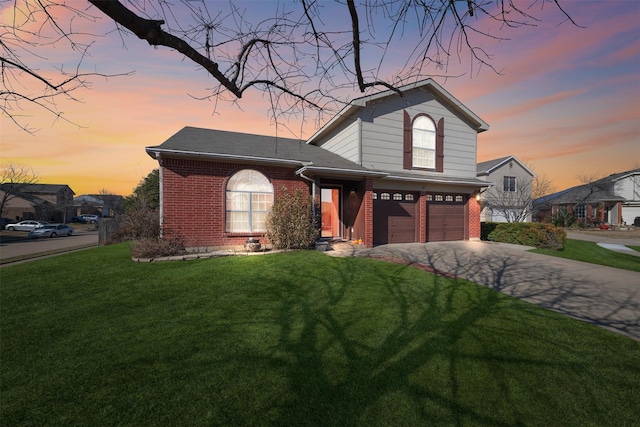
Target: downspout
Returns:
[161, 197]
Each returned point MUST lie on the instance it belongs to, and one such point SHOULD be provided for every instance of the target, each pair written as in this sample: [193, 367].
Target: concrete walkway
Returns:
[603, 296]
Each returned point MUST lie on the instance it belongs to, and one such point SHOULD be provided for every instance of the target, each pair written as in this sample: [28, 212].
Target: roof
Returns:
[620, 175]
[436, 179]
[309, 159]
[586, 193]
[429, 84]
[596, 191]
[234, 146]
[39, 188]
[485, 168]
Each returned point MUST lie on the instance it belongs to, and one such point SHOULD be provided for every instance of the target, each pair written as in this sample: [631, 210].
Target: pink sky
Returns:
[567, 103]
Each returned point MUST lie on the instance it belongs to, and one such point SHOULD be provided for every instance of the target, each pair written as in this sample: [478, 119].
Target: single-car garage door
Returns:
[394, 217]
[445, 219]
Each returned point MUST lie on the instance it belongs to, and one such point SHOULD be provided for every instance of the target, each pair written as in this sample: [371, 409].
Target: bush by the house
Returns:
[137, 225]
[290, 223]
[541, 236]
[157, 247]
[486, 228]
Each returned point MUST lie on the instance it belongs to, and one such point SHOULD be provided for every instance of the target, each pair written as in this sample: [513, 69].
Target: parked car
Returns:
[51, 230]
[91, 219]
[636, 221]
[27, 225]
[80, 219]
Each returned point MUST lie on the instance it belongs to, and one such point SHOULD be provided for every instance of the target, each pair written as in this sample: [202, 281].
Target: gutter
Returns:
[342, 171]
[435, 180]
[155, 153]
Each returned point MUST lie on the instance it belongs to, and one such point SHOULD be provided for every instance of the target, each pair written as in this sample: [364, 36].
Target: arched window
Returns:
[249, 199]
[423, 133]
[423, 142]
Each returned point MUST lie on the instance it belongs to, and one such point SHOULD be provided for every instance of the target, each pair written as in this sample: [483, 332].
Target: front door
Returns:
[330, 212]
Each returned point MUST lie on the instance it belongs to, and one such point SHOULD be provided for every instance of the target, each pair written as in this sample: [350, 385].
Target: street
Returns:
[17, 244]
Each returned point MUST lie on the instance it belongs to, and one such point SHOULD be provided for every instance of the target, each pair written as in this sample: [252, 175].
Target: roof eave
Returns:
[157, 153]
[339, 171]
[437, 180]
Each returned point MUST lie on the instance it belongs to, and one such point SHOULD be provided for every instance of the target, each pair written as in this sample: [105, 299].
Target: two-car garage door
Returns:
[396, 217]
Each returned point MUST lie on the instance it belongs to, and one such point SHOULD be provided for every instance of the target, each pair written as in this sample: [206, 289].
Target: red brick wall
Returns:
[193, 199]
[422, 213]
[368, 213]
[474, 217]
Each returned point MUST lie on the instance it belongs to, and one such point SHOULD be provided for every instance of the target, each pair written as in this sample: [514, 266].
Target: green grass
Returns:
[92, 338]
[581, 250]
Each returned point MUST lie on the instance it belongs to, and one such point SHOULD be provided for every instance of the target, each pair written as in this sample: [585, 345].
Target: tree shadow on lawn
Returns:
[410, 354]
[519, 274]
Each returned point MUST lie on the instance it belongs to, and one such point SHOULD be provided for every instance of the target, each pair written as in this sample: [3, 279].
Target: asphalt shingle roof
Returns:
[217, 143]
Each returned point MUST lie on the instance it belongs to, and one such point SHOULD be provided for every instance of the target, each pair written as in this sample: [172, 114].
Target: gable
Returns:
[429, 86]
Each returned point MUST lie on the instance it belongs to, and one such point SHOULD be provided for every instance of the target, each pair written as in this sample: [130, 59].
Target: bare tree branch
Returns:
[313, 58]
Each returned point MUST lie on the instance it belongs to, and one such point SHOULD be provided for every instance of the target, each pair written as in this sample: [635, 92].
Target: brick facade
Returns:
[473, 218]
[193, 199]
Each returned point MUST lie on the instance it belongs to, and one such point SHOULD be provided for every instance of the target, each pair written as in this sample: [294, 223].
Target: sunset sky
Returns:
[567, 102]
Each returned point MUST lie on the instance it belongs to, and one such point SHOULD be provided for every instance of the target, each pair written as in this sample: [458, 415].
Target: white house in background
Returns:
[508, 199]
[626, 185]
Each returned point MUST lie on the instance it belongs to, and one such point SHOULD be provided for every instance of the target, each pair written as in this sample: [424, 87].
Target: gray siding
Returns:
[344, 141]
[382, 134]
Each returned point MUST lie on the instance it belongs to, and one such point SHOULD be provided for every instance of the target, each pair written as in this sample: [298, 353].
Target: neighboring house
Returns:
[386, 169]
[508, 199]
[18, 208]
[614, 199]
[104, 205]
[47, 202]
[626, 185]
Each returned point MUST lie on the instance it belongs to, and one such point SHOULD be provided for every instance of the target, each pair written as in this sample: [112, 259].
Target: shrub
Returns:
[157, 247]
[486, 228]
[290, 223]
[541, 236]
[137, 225]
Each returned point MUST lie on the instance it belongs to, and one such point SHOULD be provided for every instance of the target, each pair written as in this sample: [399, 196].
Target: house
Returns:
[508, 199]
[386, 169]
[47, 202]
[614, 199]
[103, 205]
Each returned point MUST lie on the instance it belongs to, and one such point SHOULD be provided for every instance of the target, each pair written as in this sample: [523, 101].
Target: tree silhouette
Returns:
[307, 55]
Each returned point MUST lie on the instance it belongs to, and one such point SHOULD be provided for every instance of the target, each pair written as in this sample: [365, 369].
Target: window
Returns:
[509, 183]
[249, 199]
[375, 196]
[385, 196]
[423, 142]
[423, 137]
[397, 196]
[408, 197]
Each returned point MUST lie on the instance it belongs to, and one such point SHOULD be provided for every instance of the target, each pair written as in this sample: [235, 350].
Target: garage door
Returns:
[445, 220]
[394, 217]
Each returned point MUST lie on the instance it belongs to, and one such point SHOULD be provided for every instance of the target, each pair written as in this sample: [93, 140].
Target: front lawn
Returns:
[581, 250]
[92, 338]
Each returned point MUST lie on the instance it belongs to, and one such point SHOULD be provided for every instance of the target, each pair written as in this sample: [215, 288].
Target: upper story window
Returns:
[249, 199]
[423, 143]
[509, 184]
[423, 135]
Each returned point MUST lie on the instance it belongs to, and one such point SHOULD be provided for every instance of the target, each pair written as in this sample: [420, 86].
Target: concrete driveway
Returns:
[603, 296]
